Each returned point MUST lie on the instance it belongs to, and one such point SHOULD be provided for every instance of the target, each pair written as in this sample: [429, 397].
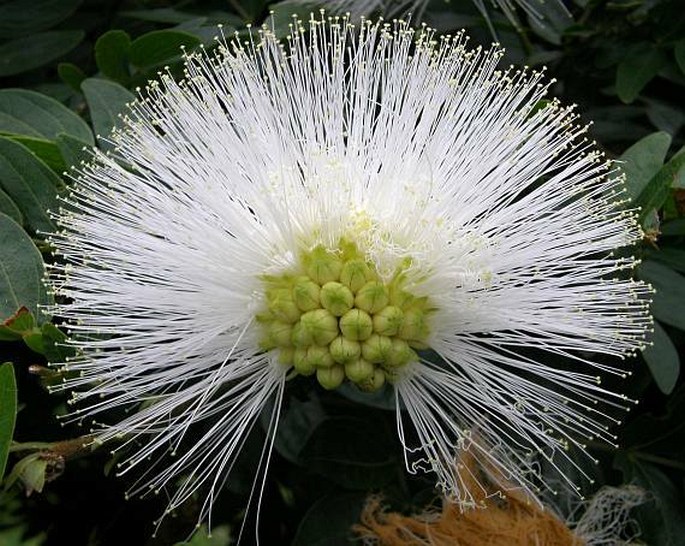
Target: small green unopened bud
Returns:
[301, 337]
[319, 357]
[373, 383]
[359, 370]
[398, 297]
[355, 274]
[281, 333]
[330, 378]
[343, 349]
[337, 298]
[398, 355]
[306, 294]
[322, 266]
[301, 362]
[372, 297]
[322, 326]
[286, 356]
[282, 305]
[356, 325]
[414, 325]
[387, 322]
[376, 348]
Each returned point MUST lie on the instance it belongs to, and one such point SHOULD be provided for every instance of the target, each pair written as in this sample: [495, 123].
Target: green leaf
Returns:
[329, 521]
[28, 113]
[21, 270]
[672, 257]
[25, 54]
[659, 188]
[296, 426]
[680, 54]
[8, 207]
[674, 227]
[284, 13]
[48, 152]
[19, 18]
[73, 150]
[669, 300]
[160, 46]
[643, 160]
[8, 412]
[661, 518]
[106, 100]
[30, 183]
[53, 344]
[637, 70]
[72, 75]
[18, 325]
[662, 359]
[175, 17]
[111, 55]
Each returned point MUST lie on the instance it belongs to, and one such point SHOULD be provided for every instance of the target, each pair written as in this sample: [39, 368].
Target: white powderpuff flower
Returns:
[335, 206]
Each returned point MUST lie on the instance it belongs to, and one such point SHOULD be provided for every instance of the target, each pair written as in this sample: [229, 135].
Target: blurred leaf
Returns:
[383, 398]
[106, 100]
[284, 13]
[220, 536]
[73, 150]
[19, 18]
[48, 152]
[14, 536]
[680, 55]
[659, 187]
[672, 257]
[662, 359]
[674, 227]
[21, 268]
[354, 453]
[111, 55]
[160, 46]
[664, 116]
[30, 183]
[8, 412]
[72, 75]
[28, 113]
[669, 301]
[329, 521]
[637, 70]
[296, 425]
[643, 160]
[27, 53]
[661, 520]
[176, 17]
[8, 207]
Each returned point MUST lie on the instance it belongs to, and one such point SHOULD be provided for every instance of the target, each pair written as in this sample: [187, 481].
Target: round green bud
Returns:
[337, 298]
[359, 370]
[387, 321]
[399, 354]
[322, 266]
[398, 297]
[343, 349]
[356, 325]
[330, 378]
[281, 333]
[286, 356]
[322, 326]
[282, 305]
[306, 294]
[301, 337]
[301, 362]
[355, 274]
[414, 325]
[373, 383]
[376, 348]
[372, 297]
[319, 357]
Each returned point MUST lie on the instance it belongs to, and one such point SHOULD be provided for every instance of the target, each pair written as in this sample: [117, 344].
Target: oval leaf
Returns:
[28, 113]
[25, 54]
[30, 183]
[669, 300]
[643, 160]
[111, 55]
[637, 70]
[21, 270]
[663, 361]
[160, 47]
[106, 100]
[18, 17]
[8, 207]
[8, 412]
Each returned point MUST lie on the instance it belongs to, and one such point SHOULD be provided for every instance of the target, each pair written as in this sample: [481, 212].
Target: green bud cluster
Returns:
[338, 320]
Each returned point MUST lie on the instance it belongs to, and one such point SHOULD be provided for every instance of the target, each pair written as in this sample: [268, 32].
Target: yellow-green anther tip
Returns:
[336, 298]
[356, 325]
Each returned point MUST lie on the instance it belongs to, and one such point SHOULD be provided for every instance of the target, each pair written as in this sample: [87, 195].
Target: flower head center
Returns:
[338, 319]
